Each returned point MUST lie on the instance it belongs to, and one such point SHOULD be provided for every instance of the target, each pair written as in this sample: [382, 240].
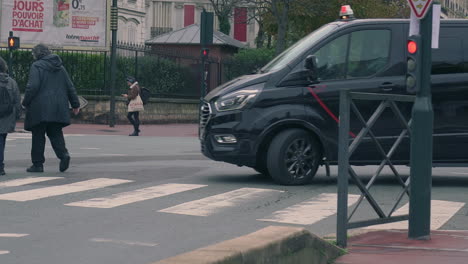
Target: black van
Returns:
[280, 123]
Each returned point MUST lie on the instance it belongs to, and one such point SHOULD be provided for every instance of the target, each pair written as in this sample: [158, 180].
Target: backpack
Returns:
[145, 95]
[6, 104]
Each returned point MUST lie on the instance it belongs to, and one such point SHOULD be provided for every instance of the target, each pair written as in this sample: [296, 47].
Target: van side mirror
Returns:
[311, 65]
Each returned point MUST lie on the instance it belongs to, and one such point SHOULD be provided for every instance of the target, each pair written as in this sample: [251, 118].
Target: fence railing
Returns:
[165, 74]
[347, 148]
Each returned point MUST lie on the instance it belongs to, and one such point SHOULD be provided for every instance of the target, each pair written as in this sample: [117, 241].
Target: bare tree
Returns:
[223, 11]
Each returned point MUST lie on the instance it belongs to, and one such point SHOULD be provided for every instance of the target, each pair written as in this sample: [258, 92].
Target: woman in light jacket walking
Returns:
[10, 114]
[135, 104]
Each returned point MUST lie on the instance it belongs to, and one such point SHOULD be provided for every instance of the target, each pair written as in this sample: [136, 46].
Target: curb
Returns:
[272, 245]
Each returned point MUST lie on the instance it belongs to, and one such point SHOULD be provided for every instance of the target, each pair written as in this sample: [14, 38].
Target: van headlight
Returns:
[238, 99]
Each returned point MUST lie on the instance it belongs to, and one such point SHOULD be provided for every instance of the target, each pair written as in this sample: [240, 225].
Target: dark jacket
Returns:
[8, 123]
[48, 93]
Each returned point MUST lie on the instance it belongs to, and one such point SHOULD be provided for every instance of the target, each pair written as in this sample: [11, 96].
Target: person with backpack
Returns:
[10, 108]
[134, 104]
[49, 93]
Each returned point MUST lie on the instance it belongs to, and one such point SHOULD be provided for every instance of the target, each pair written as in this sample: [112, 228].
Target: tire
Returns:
[293, 157]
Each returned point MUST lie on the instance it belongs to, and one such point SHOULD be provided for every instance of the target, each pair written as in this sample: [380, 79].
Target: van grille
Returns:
[205, 114]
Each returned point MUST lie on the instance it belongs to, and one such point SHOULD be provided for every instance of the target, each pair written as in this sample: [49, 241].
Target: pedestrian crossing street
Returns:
[308, 212]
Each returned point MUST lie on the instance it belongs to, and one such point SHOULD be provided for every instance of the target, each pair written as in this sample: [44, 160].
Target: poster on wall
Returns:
[67, 24]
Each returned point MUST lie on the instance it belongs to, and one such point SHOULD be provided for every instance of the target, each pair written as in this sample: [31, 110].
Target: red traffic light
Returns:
[205, 52]
[412, 47]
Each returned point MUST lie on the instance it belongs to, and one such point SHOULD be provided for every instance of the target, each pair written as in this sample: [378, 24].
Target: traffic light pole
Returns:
[10, 59]
[113, 62]
[421, 142]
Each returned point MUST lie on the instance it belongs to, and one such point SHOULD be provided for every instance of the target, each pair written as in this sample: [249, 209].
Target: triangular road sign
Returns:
[419, 7]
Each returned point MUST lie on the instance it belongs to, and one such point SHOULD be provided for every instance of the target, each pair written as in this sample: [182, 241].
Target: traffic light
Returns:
[205, 52]
[413, 74]
[206, 28]
[13, 43]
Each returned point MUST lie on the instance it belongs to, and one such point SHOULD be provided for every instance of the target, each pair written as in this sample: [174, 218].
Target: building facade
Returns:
[141, 20]
[455, 8]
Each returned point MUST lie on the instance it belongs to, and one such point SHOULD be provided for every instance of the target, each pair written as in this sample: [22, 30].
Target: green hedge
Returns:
[160, 75]
[248, 61]
[90, 72]
[164, 77]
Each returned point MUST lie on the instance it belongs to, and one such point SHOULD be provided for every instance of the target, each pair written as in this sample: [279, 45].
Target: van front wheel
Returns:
[293, 157]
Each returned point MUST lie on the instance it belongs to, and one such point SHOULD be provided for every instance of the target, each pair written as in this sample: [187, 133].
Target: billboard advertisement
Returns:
[66, 24]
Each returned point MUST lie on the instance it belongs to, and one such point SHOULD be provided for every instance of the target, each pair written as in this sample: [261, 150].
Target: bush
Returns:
[159, 75]
[248, 61]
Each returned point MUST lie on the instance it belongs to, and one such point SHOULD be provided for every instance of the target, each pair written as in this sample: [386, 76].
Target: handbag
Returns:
[136, 105]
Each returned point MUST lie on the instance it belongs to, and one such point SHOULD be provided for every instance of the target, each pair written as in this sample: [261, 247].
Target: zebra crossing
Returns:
[309, 212]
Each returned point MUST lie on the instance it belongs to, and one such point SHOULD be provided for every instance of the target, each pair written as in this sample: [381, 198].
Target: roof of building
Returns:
[191, 35]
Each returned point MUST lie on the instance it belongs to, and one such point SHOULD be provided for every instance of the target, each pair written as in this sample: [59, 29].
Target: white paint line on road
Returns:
[25, 181]
[90, 148]
[136, 195]
[460, 173]
[4, 252]
[123, 242]
[441, 212]
[40, 193]
[114, 155]
[12, 235]
[310, 211]
[213, 204]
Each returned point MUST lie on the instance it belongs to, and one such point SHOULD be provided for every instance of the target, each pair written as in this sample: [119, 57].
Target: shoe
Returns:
[134, 134]
[64, 164]
[35, 169]
[2, 172]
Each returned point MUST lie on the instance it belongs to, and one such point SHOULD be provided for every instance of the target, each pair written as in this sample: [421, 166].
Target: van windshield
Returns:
[299, 47]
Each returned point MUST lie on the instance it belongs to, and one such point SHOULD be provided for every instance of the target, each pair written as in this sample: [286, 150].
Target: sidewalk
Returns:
[393, 246]
[163, 130]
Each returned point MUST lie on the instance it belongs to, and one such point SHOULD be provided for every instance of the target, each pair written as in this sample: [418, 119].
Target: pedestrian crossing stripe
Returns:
[136, 195]
[25, 181]
[441, 212]
[8, 235]
[305, 213]
[213, 204]
[12, 235]
[310, 211]
[40, 193]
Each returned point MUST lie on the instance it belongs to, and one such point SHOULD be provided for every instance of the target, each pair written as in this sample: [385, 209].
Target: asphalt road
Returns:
[143, 199]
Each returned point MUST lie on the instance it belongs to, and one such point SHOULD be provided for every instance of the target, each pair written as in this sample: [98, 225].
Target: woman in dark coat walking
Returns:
[48, 94]
[8, 121]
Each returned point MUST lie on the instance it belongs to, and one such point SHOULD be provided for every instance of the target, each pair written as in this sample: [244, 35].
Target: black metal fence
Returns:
[170, 75]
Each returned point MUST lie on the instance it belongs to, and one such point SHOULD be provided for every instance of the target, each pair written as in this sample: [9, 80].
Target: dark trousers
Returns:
[55, 135]
[134, 118]
[2, 150]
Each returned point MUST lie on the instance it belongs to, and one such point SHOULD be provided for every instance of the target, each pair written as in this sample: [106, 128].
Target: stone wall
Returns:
[157, 111]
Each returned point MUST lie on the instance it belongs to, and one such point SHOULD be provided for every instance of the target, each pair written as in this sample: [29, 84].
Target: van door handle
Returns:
[387, 87]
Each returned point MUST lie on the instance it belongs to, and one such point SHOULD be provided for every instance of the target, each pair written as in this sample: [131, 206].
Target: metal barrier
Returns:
[345, 150]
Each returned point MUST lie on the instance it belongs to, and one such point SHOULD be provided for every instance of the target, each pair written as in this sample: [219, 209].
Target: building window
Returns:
[132, 33]
[189, 15]
[240, 24]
